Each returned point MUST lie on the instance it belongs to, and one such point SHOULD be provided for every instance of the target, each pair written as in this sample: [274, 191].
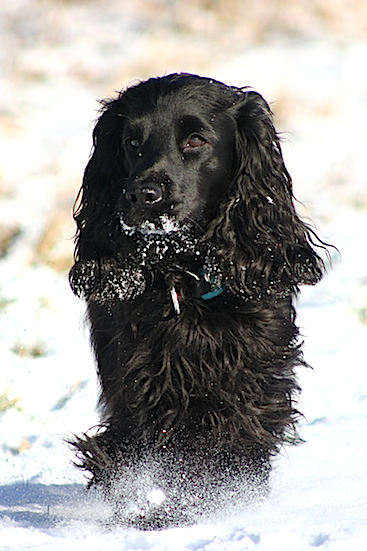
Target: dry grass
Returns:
[7, 402]
[257, 20]
[191, 33]
[35, 350]
[56, 244]
[8, 236]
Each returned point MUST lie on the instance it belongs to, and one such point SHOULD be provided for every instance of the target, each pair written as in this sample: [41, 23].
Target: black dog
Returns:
[189, 253]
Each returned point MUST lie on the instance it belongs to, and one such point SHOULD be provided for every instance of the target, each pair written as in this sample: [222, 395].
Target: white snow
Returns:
[168, 223]
[318, 90]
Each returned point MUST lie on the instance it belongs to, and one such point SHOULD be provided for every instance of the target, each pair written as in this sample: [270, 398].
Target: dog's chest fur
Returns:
[208, 368]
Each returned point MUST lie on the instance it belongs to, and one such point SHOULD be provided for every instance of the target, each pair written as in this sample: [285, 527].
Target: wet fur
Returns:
[214, 384]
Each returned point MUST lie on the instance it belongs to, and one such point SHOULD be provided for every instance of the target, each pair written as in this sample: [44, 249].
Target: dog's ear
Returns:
[277, 249]
[103, 176]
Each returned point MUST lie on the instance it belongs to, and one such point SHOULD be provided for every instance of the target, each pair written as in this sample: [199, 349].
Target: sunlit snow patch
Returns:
[156, 496]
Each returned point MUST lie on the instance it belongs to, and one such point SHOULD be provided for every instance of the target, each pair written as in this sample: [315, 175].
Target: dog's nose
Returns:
[144, 196]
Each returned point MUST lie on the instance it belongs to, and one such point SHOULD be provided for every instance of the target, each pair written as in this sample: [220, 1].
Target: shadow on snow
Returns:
[38, 505]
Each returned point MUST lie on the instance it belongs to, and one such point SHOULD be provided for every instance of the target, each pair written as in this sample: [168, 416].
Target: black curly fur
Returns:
[213, 381]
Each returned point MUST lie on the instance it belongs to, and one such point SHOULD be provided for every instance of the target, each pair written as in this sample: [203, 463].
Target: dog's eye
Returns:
[195, 140]
[133, 142]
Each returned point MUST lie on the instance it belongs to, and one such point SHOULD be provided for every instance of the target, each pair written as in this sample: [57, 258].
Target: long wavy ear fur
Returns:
[263, 241]
[102, 181]
[275, 248]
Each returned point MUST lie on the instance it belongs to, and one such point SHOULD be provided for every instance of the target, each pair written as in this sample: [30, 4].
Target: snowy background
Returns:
[57, 58]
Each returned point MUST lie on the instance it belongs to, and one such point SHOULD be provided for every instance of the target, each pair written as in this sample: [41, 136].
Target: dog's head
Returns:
[185, 151]
[164, 153]
[177, 145]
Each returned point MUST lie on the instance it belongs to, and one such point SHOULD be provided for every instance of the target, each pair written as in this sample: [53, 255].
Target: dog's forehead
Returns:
[175, 108]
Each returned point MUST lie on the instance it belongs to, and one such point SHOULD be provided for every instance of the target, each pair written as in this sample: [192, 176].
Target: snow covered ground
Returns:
[48, 386]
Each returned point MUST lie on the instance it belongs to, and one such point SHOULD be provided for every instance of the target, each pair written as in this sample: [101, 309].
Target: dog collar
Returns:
[214, 282]
[207, 286]
[215, 292]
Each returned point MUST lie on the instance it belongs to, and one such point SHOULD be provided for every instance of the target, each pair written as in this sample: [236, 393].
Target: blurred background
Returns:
[59, 57]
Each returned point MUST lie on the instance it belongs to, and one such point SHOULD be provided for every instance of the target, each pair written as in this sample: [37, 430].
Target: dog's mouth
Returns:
[160, 226]
[161, 240]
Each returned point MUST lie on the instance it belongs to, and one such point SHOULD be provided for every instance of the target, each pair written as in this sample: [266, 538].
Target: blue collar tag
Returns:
[215, 286]
[213, 293]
